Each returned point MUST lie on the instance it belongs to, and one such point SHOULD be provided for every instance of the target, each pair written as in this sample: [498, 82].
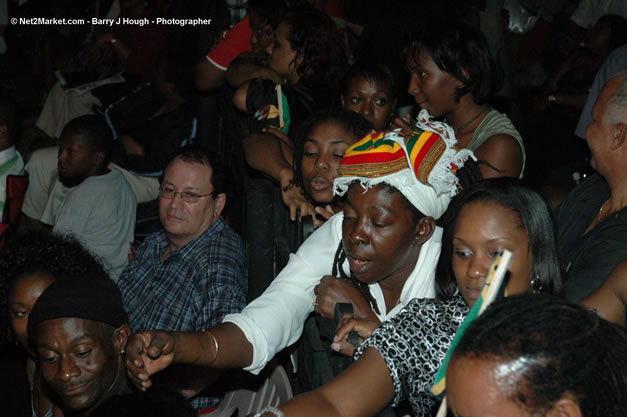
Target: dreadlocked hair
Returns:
[567, 350]
[338, 271]
[535, 219]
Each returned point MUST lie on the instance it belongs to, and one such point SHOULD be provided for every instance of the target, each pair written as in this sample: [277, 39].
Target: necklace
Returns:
[468, 123]
[601, 210]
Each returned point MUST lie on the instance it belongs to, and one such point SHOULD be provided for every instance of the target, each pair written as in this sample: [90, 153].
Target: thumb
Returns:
[343, 348]
[159, 345]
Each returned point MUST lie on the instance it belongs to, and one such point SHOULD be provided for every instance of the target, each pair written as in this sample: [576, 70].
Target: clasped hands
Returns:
[332, 290]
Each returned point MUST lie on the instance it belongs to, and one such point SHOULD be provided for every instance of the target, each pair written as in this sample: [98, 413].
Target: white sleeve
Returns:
[276, 318]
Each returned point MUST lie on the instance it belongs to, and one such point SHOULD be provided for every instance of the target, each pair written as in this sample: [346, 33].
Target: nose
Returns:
[68, 369]
[414, 82]
[322, 163]
[479, 267]
[176, 200]
[357, 233]
[366, 109]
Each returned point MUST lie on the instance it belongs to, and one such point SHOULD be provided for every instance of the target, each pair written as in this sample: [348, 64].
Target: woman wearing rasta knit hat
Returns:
[387, 230]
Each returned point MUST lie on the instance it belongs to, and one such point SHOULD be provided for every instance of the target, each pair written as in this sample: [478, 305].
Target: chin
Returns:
[71, 181]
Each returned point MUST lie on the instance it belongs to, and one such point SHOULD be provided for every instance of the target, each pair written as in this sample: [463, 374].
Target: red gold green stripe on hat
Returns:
[425, 150]
[376, 156]
[373, 156]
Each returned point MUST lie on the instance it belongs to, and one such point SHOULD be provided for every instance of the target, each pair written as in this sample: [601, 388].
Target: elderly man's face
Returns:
[600, 130]
[80, 359]
[183, 220]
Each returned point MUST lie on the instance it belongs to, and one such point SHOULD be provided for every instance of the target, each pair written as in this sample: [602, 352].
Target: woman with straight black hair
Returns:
[453, 76]
[532, 210]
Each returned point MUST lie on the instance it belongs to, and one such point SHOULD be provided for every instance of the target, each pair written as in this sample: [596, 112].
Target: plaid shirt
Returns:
[193, 289]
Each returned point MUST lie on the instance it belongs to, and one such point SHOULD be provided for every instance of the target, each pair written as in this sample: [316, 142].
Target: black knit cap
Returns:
[83, 296]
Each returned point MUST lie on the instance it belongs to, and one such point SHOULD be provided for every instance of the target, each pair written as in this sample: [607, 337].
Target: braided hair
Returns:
[338, 261]
[570, 350]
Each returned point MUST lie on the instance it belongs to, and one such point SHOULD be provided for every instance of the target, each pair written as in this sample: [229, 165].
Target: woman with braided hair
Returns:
[539, 355]
[396, 187]
[401, 357]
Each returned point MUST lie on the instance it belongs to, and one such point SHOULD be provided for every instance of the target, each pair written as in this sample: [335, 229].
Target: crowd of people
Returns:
[414, 163]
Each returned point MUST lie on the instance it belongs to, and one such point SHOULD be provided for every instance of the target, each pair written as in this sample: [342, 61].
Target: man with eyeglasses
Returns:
[192, 273]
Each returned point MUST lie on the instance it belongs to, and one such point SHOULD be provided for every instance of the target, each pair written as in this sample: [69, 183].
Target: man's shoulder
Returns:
[220, 234]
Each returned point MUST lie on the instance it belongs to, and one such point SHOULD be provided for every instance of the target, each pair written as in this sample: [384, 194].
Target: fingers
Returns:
[363, 327]
[343, 348]
[135, 363]
[324, 212]
[160, 344]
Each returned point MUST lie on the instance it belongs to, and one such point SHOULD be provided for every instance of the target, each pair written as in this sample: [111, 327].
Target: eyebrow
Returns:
[72, 342]
[333, 141]
[188, 188]
[496, 239]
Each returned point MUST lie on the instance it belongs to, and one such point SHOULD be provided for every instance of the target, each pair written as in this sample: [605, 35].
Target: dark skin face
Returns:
[262, 35]
[370, 99]
[21, 298]
[432, 88]
[381, 238]
[80, 359]
[77, 160]
[323, 150]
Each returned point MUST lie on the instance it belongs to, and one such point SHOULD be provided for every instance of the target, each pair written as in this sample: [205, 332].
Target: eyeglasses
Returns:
[186, 196]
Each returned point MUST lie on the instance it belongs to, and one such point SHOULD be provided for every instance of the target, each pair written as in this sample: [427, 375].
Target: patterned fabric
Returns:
[377, 155]
[193, 289]
[421, 166]
[414, 343]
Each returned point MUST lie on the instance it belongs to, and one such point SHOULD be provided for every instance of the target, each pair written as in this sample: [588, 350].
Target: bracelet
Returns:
[113, 41]
[551, 99]
[270, 409]
[216, 348]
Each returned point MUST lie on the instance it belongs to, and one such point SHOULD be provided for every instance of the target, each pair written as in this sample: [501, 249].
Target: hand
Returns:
[262, 112]
[293, 196]
[405, 124]
[363, 327]
[332, 290]
[325, 212]
[146, 354]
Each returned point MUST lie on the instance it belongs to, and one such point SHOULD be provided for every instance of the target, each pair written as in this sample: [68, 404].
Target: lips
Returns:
[473, 293]
[75, 389]
[320, 183]
[172, 215]
[357, 264]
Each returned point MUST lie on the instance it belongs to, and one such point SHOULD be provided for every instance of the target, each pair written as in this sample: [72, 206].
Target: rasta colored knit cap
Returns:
[81, 296]
[421, 166]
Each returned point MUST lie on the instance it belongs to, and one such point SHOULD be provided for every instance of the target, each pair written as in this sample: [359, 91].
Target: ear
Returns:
[565, 407]
[99, 158]
[220, 202]
[424, 230]
[342, 99]
[120, 337]
[619, 136]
